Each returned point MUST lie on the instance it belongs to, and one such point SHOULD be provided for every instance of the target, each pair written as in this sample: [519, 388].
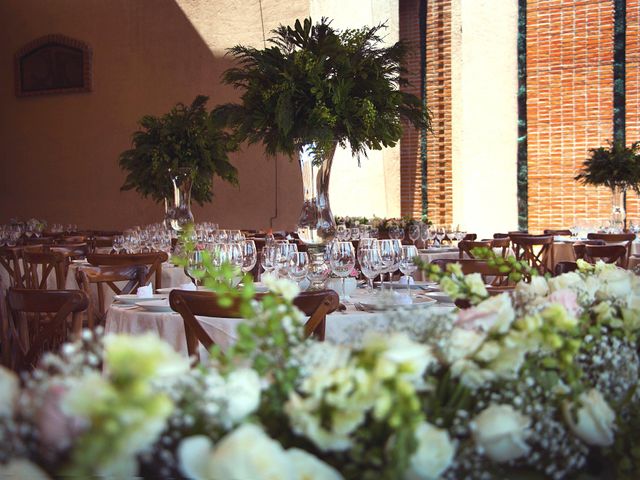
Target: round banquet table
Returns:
[347, 327]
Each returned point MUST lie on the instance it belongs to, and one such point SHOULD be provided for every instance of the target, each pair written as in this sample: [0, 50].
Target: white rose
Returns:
[307, 467]
[501, 432]
[434, 454]
[22, 469]
[471, 374]
[462, 343]
[570, 280]
[536, 288]
[508, 363]
[9, 389]
[288, 289]
[476, 285]
[596, 419]
[243, 393]
[614, 282]
[398, 348]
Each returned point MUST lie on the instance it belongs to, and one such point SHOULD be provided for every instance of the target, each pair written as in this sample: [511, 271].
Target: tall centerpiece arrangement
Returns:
[175, 157]
[616, 167]
[314, 88]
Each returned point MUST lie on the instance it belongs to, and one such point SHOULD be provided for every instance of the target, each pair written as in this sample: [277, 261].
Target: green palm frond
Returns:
[615, 166]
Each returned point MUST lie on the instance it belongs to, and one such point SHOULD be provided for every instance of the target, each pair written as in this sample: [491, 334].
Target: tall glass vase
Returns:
[316, 226]
[618, 213]
[180, 207]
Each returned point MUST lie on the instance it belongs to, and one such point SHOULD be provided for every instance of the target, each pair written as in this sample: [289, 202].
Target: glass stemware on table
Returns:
[390, 251]
[298, 266]
[407, 264]
[342, 259]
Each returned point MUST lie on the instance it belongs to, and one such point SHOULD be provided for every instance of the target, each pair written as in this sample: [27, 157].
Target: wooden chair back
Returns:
[465, 247]
[536, 250]
[107, 276]
[504, 244]
[10, 259]
[606, 253]
[472, 237]
[559, 232]
[75, 251]
[153, 261]
[38, 323]
[189, 304]
[38, 241]
[489, 274]
[39, 266]
[580, 248]
[564, 267]
[102, 241]
[625, 239]
[72, 239]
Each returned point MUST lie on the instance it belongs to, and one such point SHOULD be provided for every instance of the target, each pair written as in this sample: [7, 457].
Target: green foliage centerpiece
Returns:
[616, 167]
[312, 89]
[185, 147]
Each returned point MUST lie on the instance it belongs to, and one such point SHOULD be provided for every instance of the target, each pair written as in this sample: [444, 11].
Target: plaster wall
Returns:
[484, 115]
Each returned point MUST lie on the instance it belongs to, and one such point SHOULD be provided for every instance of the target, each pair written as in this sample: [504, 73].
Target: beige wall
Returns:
[59, 153]
[484, 114]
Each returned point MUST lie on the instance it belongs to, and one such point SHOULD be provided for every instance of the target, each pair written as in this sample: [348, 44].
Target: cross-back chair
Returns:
[564, 267]
[504, 244]
[606, 253]
[10, 259]
[317, 305]
[564, 232]
[535, 250]
[625, 239]
[152, 261]
[470, 265]
[580, 248]
[38, 323]
[38, 266]
[108, 276]
[75, 251]
[465, 247]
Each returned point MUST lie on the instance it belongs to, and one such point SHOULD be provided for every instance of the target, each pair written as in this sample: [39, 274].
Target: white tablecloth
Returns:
[341, 327]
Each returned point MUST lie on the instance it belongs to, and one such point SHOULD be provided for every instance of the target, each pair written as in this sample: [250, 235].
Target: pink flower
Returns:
[476, 319]
[57, 430]
[568, 299]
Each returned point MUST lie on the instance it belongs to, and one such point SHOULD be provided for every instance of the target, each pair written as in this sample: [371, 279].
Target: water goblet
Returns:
[371, 265]
[342, 259]
[413, 231]
[298, 266]
[407, 263]
[249, 255]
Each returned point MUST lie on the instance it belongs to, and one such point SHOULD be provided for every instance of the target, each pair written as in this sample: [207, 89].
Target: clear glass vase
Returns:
[618, 214]
[178, 208]
[316, 226]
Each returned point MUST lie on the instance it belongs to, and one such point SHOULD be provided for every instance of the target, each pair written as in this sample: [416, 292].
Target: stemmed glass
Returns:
[118, 243]
[396, 233]
[371, 264]
[268, 259]
[425, 234]
[440, 233]
[342, 259]
[343, 233]
[407, 263]
[298, 266]
[414, 232]
[283, 253]
[390, 251]
[249, 255]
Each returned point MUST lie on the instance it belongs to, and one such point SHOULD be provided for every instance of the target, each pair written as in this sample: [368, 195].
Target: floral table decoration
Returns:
[542, 381]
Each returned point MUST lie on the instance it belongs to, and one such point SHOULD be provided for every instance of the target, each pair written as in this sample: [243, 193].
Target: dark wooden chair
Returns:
[10, 260]
[465, 247]
[489, 274]
[625, 239]
[607, 253]
[565, 267]
[580, 248]
[504, 244]
[472, 237]
[39, 266]
[317, 305]
[152, 261]
[75, 251]
[38, 323]
[536, 250]
[107, 276]
[559, 232]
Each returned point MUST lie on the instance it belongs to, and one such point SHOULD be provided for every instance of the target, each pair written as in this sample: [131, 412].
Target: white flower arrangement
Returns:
[538, 380]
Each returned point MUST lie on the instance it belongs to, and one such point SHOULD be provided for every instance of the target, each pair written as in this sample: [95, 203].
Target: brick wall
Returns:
[569, 106]
[632, 117]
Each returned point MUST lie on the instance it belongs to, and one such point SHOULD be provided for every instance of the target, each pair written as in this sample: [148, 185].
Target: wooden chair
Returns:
[472, 237]
[39, 266]
[75, 251]
[580, 248]
[625, 239]
[536, 250]
[560, 232]
[38, 323]
[465, 247]
[606, 253]
[504, 244]
[489, 274]
[101, 241]
[107, 276]
[317, 305]
[153, 261]
[564, 267]
[38, 241]
[10, 258]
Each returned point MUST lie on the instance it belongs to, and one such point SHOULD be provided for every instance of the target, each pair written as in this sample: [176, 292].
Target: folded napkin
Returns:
[145, 292]
[188, 286]
[406, 279]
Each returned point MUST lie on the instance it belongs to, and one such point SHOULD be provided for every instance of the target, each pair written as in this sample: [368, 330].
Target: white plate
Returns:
[413, 286]
[155, 305]
[130, 299]
[417, 303]
[440, 297]
[167, 290]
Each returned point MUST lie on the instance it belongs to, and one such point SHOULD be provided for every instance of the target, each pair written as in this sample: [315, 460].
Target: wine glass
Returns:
[440, 233]
[407, 263]
[268, 259]
[390, 251]
[298, 266]
[249, 255]
[355, 233]
[284, 250]
[342, 259]
[413, 231]
[342, 233]
[118, 243]
[371, 264]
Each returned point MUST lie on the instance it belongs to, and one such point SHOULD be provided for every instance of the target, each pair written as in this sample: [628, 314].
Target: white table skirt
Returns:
[346, 327]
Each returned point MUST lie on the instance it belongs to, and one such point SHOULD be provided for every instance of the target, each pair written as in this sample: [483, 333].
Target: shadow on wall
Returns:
[60, 152]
